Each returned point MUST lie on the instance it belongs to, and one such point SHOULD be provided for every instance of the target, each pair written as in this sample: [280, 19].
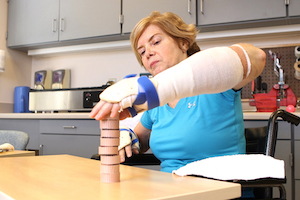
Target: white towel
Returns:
[235, 167]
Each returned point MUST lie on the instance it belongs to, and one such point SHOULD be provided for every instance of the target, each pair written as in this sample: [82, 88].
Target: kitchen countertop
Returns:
[248, 115]
[79, 115]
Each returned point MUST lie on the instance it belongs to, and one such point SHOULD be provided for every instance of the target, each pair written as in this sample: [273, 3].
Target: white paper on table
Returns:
[235, 167]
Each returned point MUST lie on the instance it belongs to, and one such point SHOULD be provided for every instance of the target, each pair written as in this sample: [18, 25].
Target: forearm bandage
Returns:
[127, 137]
[210, 71]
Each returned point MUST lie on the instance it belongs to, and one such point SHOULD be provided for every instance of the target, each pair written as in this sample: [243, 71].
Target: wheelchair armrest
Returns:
[286, 116]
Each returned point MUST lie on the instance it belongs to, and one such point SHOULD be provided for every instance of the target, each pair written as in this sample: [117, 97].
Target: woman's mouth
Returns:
[152, 64]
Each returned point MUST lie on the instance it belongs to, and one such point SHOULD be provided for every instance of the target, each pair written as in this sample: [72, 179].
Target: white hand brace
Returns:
[127, 136]
[209, 71]
[6, 147]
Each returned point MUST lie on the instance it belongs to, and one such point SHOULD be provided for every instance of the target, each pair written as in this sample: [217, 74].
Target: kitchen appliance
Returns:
[58, 100]
[61, 79]
[21, 99]
[43, 80]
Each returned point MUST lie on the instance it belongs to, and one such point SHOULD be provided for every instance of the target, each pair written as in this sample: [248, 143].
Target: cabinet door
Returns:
[294, 8]
[78, 145]
[135, 10]
[74, 137]
[282, 152]
[226, 11]
[32, 22]
[89, 18]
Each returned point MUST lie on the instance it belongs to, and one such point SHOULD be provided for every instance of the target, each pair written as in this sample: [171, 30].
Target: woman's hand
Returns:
[105, 109]
[128, 150]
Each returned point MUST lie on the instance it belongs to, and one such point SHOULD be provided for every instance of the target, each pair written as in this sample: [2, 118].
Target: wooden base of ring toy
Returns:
[108, 150]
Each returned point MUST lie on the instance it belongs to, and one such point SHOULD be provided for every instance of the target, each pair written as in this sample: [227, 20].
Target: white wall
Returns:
[94, 68]
[91, 69]
[17, 66]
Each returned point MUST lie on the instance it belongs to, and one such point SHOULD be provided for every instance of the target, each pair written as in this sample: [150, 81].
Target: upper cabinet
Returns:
[32, 21]
[294, 8]
[227, 11]
[37, 22]
[135, 10]
[88, 18]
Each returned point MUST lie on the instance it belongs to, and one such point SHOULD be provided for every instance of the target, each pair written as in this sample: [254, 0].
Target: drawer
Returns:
[80, 127]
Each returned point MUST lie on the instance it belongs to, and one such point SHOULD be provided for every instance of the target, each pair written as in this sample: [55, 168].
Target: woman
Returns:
[198, 113]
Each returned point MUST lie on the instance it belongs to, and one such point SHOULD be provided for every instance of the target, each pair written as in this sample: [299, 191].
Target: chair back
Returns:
[18, 139]
[256, 140]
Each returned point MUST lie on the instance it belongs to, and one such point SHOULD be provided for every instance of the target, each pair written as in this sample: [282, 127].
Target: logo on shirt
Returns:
[191, 104]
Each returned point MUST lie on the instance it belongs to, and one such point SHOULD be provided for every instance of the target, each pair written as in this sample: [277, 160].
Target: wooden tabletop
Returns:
[17, 153]
[70, 177]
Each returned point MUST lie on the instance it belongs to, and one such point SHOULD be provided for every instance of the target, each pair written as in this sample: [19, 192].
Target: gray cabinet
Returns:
[228, 11]
[31, 127]
[74, 137]
[135, 10]
[88, 18]
[34, 22]
[294, 8]
[78, 137]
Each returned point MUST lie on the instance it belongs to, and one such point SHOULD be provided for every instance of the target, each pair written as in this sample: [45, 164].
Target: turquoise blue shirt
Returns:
[198, 127]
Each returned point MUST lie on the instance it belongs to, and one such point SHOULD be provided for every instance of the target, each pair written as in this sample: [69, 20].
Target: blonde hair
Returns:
[172, 24]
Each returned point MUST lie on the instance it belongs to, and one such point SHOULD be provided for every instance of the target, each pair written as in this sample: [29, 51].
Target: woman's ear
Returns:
[184, 45]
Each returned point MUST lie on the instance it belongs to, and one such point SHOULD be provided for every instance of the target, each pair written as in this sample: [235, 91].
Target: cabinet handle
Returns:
[54, 25]
[69, 127]
[189, 7]
[291, 159]
[62, 24]
[41, 150]
[201, 6]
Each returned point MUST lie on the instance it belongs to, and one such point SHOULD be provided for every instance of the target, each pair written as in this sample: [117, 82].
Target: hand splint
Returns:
[127, 137]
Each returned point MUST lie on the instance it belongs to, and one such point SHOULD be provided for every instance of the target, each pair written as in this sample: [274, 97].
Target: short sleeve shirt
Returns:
[198, 127]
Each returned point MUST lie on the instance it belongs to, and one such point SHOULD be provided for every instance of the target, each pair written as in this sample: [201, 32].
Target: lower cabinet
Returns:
[58, 136]
[77, 145]
[297, 164]
[74, 137]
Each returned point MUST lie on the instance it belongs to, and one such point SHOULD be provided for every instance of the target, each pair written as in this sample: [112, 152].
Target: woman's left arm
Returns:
[257, 59]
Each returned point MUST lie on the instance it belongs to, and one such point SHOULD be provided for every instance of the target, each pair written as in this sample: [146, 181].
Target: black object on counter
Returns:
[264, 87]
[258, 84]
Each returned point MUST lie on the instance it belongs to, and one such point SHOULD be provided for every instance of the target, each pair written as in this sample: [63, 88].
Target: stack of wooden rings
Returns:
[108, 150]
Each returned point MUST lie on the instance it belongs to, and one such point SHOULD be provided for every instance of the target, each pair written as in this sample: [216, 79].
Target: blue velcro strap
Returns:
[147, 92]
[132, 111]
[130, 76]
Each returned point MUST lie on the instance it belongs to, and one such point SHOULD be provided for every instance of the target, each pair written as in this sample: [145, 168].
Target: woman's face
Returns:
[159, 51]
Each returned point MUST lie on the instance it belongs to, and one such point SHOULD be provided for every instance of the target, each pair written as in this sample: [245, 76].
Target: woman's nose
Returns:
[149, 52]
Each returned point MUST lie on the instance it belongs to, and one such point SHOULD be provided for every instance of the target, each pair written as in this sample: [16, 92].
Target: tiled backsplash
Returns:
[268, 76]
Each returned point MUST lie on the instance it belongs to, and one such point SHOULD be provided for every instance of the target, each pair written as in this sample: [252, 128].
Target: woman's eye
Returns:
[142, 53]
[157, 42]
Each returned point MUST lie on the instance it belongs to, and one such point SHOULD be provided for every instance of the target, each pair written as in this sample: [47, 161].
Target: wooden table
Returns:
[70, 177]
[17, 153]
